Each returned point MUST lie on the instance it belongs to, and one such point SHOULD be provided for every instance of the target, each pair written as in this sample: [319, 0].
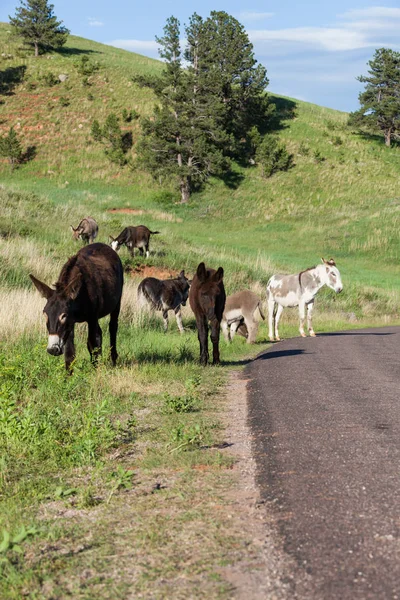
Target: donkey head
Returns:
[209, 287]
[76, 232]
[57, 312]
[333, 279]
[115, 245]
[185, 286]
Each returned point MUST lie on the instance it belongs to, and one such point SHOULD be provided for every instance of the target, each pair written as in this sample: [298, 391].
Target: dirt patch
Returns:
[266, 571]
[147, 271]
[128, 211]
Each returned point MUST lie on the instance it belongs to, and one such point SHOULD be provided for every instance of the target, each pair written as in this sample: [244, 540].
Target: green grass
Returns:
[82, 456]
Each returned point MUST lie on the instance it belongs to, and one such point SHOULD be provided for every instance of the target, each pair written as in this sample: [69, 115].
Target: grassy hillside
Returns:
[143, 439]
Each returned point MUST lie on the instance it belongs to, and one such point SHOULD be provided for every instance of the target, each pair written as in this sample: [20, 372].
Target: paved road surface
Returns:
[325, 415]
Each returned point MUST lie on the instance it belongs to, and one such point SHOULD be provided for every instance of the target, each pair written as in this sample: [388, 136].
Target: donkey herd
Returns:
[90, 285]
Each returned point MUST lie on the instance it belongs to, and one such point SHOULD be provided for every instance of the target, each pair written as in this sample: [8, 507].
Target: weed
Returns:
[188, 437]
[13, 542]
[304, 149]
[64, 101]
[318, 157]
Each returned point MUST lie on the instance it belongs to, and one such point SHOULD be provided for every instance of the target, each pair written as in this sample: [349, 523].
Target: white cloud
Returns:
[327, 38]
[95, 22]
[373, 12]
[146, 46]
[249, 16]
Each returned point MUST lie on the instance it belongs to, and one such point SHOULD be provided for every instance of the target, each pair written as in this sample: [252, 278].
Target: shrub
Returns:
[50, 79]
[85, 66]
[272, 156]
[64, 101]
[116, 142]
[130, 115]
[10, 148]
[304, 150]
[318, 158]
[337, 140]
[90, 97]
[165, 198]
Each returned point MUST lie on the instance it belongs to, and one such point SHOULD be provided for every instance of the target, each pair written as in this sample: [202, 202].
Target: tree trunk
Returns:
[388, 136]
[36, 49]
[185, 190]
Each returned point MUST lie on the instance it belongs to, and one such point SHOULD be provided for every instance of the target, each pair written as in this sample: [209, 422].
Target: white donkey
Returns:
[299, 290]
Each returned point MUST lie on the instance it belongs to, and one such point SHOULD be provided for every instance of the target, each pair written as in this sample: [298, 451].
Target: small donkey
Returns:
[207, 301]
[299, 290]
[165, 295]
[133, 237]
[86, 231]
[239, 315]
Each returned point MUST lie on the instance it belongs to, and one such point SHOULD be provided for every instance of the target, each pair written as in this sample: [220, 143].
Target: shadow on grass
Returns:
[375, 137]
[285, 110]
[75, 51]
[10, 78]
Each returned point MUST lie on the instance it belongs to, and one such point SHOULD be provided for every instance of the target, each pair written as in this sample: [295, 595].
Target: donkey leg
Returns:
[113, 328]
[215, 331]
[202, 334]
[147, 251]
[279, 312]
[271, 308]
[94, 342]
[178, 316]
[310, 307]
[252, 328]
[69, 352]
[233, 329]
[226, 330]
[165, 318]
[302, 313]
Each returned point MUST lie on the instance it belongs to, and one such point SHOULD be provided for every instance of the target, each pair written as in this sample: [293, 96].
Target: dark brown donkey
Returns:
[133, 237]
[89, 287]
[207, 301]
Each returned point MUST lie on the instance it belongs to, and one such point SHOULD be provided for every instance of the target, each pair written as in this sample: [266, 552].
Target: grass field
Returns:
[113, 481]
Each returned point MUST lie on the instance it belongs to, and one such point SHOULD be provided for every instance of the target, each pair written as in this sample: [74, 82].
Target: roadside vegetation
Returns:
[113, 481]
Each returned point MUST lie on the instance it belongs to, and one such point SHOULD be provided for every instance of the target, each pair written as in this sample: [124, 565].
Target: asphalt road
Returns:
[325, 417]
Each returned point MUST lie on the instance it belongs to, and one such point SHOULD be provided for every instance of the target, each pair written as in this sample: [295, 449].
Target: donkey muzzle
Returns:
[55, 345]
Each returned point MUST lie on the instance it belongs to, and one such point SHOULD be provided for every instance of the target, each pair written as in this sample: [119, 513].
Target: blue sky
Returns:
[312, 50]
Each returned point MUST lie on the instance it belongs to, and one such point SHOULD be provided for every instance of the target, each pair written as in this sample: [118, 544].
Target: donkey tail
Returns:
[261, 312]
[154, 232]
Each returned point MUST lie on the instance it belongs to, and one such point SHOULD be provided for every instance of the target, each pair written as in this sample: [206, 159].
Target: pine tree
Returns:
[10, 148]
[36, 23]
[182, 139]
[380, 102]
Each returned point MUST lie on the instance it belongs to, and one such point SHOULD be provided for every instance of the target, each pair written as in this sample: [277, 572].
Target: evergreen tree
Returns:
[37, 24]
[229, 72]
[380, 102]
[10, 148]
[182, 139]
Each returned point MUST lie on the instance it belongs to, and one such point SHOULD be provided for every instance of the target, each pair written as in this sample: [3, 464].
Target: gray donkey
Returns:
[165, 295]
[239, 315]
[86, 231]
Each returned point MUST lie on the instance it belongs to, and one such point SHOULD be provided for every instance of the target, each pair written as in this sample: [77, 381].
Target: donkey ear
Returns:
[72, 228]
[44, 289]
[182, 273]
[72, 289]
[217, 277]
[201, 272]
[323, 260]
[111, 238]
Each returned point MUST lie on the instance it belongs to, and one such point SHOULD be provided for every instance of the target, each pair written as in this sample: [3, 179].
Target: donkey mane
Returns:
[67, 273]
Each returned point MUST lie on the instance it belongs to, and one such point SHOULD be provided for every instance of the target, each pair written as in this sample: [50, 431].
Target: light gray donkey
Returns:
[299, 290]
[86, 231]
[239, 315]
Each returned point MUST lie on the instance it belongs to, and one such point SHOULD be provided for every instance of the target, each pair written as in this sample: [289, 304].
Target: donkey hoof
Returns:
[313, 334]
[303, 334]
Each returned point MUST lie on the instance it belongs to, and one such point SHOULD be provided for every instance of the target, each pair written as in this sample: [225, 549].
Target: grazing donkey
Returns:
[207, 301]
[86, 231]
[299, 290]
[89, 287]
[165, 295]
[239, 315]
[133, 237]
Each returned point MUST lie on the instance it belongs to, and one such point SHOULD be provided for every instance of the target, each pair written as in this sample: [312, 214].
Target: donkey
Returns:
[300, 290]
[239, 315]
[207, 301]
[133, 237]
[89, 287]
[86, 231]
[165, 295]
